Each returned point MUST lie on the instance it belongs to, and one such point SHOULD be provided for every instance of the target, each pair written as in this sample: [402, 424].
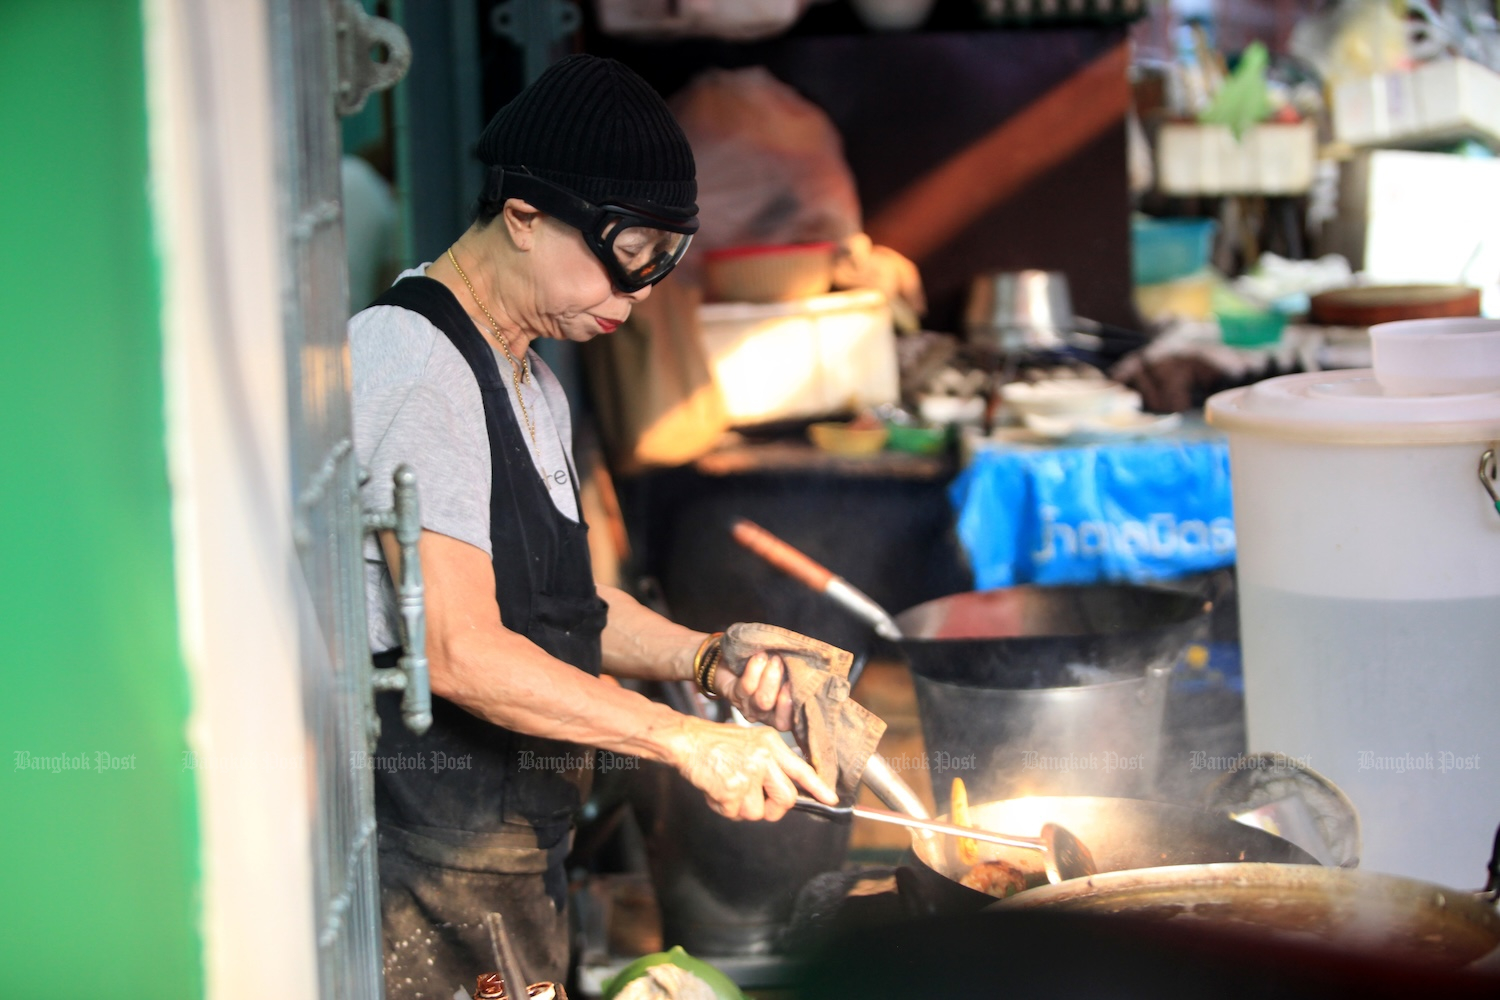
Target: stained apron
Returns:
[473, 817]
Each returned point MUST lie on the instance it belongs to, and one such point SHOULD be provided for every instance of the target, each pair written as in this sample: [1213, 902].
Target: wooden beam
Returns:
[947, 199]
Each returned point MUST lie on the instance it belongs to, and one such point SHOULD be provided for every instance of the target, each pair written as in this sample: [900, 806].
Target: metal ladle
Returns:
[1064, 856]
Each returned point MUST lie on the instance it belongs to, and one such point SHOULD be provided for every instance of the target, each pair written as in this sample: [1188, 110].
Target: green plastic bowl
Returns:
[722, 985]
[1249, 329]
[917, 440]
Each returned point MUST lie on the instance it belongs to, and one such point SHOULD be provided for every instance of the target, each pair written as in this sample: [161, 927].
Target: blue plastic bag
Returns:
[1130, 512]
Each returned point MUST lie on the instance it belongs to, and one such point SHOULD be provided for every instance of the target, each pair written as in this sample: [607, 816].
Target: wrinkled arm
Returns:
[504, 678]
[640, 643]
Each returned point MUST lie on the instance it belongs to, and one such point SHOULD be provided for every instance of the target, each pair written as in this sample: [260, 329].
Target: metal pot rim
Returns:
[1365, 911]
[1246, 874]
[1153, 672]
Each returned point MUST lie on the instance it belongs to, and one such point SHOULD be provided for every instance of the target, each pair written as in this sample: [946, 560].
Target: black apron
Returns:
[473, 817]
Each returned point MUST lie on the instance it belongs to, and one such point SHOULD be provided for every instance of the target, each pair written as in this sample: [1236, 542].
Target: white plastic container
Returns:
[809, 358]
[1369, 573]
[1445, 100]
[1437, 357]
[1208, 159]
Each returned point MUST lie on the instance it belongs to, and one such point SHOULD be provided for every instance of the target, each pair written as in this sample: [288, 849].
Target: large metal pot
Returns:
[1047, 690]
[1028, 690]
[1383, 914]
[726, 887]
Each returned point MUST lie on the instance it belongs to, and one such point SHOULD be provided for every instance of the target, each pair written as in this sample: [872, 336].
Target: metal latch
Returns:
[410, 675]
[373, 53]
[1487, 477]
[535, 26]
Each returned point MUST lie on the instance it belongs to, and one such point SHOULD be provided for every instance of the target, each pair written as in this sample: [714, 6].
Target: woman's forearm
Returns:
[641, 644]
[505, 679]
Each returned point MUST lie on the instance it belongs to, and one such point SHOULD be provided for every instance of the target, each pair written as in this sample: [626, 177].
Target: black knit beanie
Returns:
[595, 127]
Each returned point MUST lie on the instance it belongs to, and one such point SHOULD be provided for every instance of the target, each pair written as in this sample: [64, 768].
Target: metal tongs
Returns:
[1064, 856]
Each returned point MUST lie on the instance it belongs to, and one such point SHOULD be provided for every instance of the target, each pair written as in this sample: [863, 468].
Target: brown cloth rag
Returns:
[837, 734]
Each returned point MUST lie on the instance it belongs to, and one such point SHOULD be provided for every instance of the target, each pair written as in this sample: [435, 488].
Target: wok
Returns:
[1340, 908]
[1014, 637]
[1046, 631]
[1346, 909]
[1122, 834]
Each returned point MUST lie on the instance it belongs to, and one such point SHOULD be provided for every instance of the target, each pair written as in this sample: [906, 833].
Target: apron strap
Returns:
[511, 553]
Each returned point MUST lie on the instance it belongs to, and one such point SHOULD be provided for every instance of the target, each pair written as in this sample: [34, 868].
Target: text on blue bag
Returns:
[1128, 512]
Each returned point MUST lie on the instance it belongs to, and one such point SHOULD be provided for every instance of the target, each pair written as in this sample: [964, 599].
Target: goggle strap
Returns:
[536, 190]
[590, 220]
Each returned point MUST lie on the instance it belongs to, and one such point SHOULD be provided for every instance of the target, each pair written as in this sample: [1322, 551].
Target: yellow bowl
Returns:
[843, 439]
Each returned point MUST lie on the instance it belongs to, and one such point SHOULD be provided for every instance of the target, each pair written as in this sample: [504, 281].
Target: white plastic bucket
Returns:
[1369, 578]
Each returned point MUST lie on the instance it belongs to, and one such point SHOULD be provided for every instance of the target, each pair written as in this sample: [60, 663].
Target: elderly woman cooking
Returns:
[588, 202]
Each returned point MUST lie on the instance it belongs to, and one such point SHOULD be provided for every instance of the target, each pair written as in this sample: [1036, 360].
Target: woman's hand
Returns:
[747, 773]
[763, 693]
[862, 264]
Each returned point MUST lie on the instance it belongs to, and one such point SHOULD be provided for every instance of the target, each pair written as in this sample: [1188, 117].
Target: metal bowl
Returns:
[1020, 311]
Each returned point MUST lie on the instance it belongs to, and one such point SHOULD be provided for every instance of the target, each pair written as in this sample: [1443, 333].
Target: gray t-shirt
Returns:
[416, 401]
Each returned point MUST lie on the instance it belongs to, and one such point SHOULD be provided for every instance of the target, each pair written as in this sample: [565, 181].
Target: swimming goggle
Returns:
[637, 244]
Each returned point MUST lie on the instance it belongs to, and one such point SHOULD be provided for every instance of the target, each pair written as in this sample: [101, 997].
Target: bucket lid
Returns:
[1352, 407]
[1435, 381]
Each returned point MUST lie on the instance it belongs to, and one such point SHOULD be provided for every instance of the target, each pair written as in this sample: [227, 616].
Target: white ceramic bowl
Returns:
[940, 410]
[1069, 398]
[1437, 357]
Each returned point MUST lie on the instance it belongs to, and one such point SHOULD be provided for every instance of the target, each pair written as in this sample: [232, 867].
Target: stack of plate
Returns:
[1082, 409]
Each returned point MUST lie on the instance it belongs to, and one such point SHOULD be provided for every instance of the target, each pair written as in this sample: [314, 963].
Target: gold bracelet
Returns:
[704, 662]
[712, 670]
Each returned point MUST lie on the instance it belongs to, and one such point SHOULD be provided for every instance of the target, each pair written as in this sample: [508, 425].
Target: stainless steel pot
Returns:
[1028, 690]
[1020, 311]
[1047, 690]
[1031, 312]
[1354, 910]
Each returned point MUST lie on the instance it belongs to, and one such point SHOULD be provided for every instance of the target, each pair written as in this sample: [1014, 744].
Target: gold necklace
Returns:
[520, 371]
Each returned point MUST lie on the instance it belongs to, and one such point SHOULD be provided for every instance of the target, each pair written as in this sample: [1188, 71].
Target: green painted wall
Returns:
[98, 868]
